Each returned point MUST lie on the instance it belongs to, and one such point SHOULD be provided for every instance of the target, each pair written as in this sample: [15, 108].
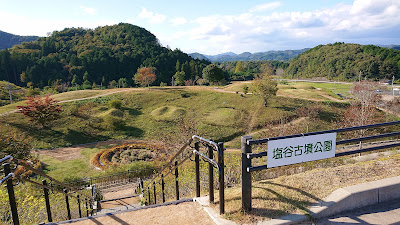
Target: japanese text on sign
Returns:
[301, 149]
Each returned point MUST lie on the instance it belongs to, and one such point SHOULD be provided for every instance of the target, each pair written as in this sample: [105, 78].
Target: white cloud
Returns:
[22, 25]
[178, 21]
[152, 17]
[363, 20]
[266, 7]
[88, 11]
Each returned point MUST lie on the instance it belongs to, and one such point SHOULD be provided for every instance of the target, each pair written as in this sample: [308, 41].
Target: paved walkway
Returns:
[384, 213]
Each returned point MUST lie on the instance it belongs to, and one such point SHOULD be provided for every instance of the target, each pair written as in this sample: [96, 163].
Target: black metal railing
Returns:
[54, 185]
[247, 154]
[171, 167]
[120, 178]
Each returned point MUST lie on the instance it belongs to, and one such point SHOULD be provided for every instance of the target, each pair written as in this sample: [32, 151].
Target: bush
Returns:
[115, 103]
[15, 146]
[113, 122]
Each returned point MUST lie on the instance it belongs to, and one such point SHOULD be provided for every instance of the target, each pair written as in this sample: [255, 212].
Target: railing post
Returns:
[155, 194]
[210, 175]
[163, 188]
[148, 193]
[221, 179]
[197, 162]
[67, 202]
[79, 206]
[87, 208]
[11, 195]
[141, 186]
[46, 199]
[176, 180]
[246, 176]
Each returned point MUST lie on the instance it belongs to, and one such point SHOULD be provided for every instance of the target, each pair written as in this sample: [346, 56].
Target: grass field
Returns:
[305, 90]
[153, 114]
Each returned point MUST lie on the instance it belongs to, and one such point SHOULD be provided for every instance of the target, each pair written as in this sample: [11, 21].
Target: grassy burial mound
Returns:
[129, 153]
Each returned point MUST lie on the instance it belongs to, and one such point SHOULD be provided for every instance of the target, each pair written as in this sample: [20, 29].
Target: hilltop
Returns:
[8, 40]
[340, 61]
[104, 54]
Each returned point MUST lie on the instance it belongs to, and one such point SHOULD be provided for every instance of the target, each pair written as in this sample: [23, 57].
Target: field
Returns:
[154, 114]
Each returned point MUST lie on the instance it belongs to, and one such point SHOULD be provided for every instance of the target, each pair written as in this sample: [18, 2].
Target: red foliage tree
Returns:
[145, 76]
[41, 110]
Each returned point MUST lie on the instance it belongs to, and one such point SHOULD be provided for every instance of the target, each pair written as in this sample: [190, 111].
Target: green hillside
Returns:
[103, 54]
[8, 40]
[345, 61]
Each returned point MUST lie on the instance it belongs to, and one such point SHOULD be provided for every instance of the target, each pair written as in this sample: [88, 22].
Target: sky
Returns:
[217, 26]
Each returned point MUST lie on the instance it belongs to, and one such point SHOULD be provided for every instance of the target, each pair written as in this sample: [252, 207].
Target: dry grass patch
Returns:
[275, 198]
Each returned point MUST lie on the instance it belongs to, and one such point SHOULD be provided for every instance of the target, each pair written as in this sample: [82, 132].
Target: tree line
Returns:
[87, 57]
[346, 62]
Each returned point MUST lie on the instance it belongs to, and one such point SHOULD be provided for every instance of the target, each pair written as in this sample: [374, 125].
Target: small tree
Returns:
[145, 76]
[41, 110]
[179, 78]
[266, 87]
[239, 67]
[213, 74]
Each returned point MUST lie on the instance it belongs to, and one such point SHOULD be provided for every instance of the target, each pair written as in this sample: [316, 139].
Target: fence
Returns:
[66, 189]
[247, 155]
[173, 165]
[120, 178]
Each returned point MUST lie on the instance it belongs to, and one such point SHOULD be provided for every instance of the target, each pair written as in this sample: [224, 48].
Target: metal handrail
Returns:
[27, 166]
[24, 164]
[170, 162]
[265, 140]
[212, 163]
[247, 154]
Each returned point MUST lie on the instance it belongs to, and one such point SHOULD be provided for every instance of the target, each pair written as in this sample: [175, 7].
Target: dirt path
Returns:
[183, 213]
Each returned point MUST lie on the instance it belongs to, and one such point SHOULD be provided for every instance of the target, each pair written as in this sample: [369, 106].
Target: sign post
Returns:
[301, 149]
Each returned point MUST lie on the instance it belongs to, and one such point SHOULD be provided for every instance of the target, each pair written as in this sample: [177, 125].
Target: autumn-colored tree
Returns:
[145, 76]
[41, 110]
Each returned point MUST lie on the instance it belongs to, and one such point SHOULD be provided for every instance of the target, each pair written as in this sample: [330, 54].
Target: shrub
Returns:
[115, 103]
[113, 122]
[15, 146]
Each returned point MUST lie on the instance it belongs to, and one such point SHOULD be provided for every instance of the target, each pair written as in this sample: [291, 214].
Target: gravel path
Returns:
[183, 213]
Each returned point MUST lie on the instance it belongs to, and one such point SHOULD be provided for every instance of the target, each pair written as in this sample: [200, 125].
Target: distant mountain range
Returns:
[8, 40]
[247, 56]
[397, 47]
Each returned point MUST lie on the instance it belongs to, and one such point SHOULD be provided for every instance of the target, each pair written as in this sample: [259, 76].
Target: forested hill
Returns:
[77, 55]
[247, 56]
[345, 61]
[8, 40]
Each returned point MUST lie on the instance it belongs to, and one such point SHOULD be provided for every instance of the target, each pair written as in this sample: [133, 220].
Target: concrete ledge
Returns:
[357, 196]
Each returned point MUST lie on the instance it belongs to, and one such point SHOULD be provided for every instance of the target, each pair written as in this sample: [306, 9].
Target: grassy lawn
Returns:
[62, 169]
[305, 90]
